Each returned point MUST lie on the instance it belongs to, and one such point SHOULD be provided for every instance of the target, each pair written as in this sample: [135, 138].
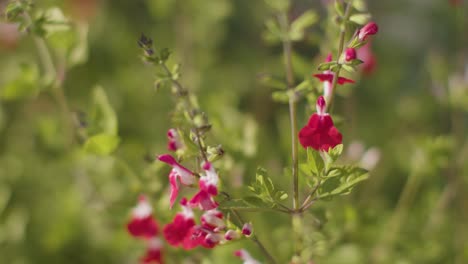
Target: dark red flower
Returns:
[320, 132]
[143, 224]
[328, 77]
[153, 253]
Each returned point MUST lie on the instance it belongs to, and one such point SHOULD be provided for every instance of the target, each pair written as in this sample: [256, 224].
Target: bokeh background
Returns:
[59, 204]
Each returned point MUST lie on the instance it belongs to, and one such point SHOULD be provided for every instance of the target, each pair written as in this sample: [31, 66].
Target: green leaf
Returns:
[348, 68]
[303, 86]
[272, 82]
[164, 54]
[101, 144]
[326, 65]
[257, 202]
[355, 62]
[273, 33]
[24, 85]
[299, 25]
[264, 189]
[343, 183]
[314, 161]
[280, 96]
[339, 7]
[360, 19]
[102, 116]
[14, 9]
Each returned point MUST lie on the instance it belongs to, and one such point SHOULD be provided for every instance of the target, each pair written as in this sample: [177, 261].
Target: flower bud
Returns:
[370, 28]
[350, 54]
[247, 229]
[231, 235]
[321, 105]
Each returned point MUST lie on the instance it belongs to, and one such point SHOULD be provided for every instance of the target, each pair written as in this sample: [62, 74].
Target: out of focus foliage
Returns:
[65, 194]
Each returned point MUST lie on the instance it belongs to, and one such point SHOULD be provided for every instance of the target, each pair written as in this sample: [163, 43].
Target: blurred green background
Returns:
[59, 204]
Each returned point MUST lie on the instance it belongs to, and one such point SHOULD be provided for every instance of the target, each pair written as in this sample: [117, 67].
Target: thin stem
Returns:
[255, 239]
[181, 91]
[45, 58]
[307, 202]
[287, 55]
[340, 51]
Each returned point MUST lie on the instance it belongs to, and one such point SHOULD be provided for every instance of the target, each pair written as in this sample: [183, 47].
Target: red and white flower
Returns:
[174, 143]
[247, 229]
[143, 224]
[320, 132]
[208, 189]
[245, 256]
[180, 227]
[231, 235]
[178, 173]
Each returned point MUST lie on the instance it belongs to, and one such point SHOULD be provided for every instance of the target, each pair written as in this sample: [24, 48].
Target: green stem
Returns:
[255, 239]
[287, 57]
[340, 51]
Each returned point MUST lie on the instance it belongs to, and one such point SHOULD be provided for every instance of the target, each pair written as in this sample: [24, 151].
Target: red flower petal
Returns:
[203, 200]
[328, 77]
[143, 227]
[343, 80]
[320, 133]
[324, 77]
[176, 232]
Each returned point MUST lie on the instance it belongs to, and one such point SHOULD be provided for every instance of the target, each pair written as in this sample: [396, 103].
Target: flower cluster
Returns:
[320, 132]
[144, 226]
[183, 231]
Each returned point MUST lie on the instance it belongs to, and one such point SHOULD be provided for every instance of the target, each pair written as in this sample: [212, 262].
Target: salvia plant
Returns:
[195, 208]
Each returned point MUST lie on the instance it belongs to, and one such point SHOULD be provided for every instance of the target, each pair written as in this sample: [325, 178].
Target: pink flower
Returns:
[369, 62]
[178, 172]
[350, 54]
[370, 28]
[174, 142]
[208, 188]
[153, 253]
[247, 229]
[143, 224]
[245, 256]
[176, 232]
[320, 132]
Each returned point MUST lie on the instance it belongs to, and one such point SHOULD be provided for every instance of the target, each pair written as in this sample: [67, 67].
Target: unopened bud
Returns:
[370, 28]
[247, 229]
[350, 54]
